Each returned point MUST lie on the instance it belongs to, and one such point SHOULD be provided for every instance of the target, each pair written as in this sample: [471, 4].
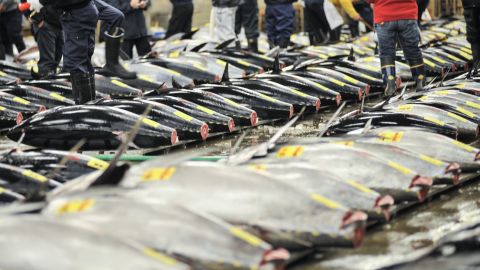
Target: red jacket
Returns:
[394, 10]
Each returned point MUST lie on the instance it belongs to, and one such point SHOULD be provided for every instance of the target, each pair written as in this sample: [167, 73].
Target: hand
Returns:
[142, 5]
[357, 18]
[41, 24]
[135, 4]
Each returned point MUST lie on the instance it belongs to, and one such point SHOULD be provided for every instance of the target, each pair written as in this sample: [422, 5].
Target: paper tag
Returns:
[290, 151]
[76, 206]
[34, 175]
[97, 164]
[158, 174]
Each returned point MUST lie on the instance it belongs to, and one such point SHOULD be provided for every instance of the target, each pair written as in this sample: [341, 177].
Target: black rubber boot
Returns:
[253, 45]
[81, 87]
[475, 51]
[112, 53]
[284, 42]
[418, 73]
[389, 76]
[93, 93]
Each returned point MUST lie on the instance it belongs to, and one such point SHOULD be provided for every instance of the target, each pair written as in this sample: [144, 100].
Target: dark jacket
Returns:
[134, 23]
[180, 2]
[471, 3]
[276, 2]
[65, 4]
[9, 5]
[225, 3]
[50, 15]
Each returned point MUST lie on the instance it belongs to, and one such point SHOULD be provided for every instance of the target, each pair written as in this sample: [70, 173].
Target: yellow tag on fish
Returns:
[231, 102]
[241, 62]
[320, 86]
[350, 79]
[119, 83]
[405, 107]
[389, 136]
[267, 97]
[465, 111]
[433, 120]
[21, 100]
[2, 190]
[145, 78]
[174, 54]
[324, 201]
[159, 256]
[337, 82]
[460, 86]
[184, 116]
[368, 59]
[423, 98]
[220, 62]
[454, 58]
[473, 104]
[467, 50]
[35, 176]
[465, 147]
[245, 236]
[299, 93]
[400, 168]
[466, 55]
[431, 160]
[149, 122]
[442, 92]
[158, 174]
[359, 187]
[290, 151]
[458, 117]
[75, 206]
[205, 109]
[97, 164]
[372, 68]
[57, 96]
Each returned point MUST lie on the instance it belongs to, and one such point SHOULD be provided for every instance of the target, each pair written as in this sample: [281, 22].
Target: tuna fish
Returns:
[8, 196]
[31, 185]
[161, 75]
[115, 88]
[12, 102]
[39, 96]
[63, 127]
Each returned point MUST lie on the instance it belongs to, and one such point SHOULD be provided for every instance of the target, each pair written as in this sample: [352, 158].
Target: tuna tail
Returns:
[351, 56]
[224, 44]
[330, 121]
[225, 76]
[276, 65]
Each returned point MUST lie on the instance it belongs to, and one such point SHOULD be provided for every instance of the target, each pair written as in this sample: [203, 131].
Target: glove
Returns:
[22, 7]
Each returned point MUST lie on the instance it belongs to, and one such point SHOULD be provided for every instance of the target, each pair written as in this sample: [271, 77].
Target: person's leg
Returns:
[59, 43]
[472, 20]
[239, 18]
[409, 37]
[181, 19]
[285, 23]
[250, 24]
[14, 29]
[127, 47]
[270, 25]
[79, 29]
[224, 23]
[143, 46]
[187, 14]
[46, 41]
[387, 37]
[111, 17]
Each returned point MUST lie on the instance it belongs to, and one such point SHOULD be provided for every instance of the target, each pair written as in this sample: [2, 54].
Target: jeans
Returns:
[279, 22]
[406, 32]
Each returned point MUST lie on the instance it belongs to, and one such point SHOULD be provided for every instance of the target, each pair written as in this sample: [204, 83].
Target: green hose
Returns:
[141, 158]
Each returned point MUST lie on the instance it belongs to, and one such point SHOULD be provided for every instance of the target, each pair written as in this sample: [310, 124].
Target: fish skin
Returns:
[217, 122]
[15, 70]
[188, 128]
[59, 86]
[250, 68]
[170, 229]
[327, 96]
[242, 115]
[359, 67]
[467, 130]
[250, 57]
[29, 184]
[283, 93]
[46, 161]
[16, 103]
[143, 82]
[7, 196]
[39, 96]
[451, 104]
[74, 245]
[373, 81]
[207, 192]
[403, 184]
[62, 127]
[341, 77]
[115, 88]
[9, 117]
[266, 107]
[161, 75]
[197, 72]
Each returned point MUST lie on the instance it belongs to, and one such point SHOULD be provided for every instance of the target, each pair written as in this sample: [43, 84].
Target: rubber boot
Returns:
[271, 44]
[418, 73]
[93, 93]
[253, 45]
[112, 53]
[284, 42]
[81, 87]
[389, 76]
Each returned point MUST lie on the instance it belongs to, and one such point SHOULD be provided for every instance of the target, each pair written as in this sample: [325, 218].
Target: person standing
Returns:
[247, 16]
[136, 33]
[222, 19]
[422, 6]
[365, 11]
[397, 20]
[471, 11]
[11, 26]
[315, 22]
[181, 19]
[279, 22]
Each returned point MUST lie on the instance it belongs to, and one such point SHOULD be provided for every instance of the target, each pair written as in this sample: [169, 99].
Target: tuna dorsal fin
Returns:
[64, 160]
[330, 121]
[368, 126]
[224, 44]
[225, 76]
[175, 84]
[351, 56]
[114, 173]
[190, 34]
[262, 149]
[197, 48]
[276, 64]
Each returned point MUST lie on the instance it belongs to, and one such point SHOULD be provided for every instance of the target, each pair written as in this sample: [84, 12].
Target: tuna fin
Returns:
[225, 77]
[367, 127]
[330, 121]
[189, 35]
[197, 48]
[276, 64]
[274, 51]
[224, 44]
[262, 149]
[175, 84]
[351, 56]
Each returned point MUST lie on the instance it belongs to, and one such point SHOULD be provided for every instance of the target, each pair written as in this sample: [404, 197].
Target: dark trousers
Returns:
[247, 16]
[11, 31]
[405, 31]
[181, 20]
[111, 17]
[366, 13]
[50, 46]
[472, 18]
[142, 45]
[422, 6]
[79, 29]
[315, 23]
[279, 23]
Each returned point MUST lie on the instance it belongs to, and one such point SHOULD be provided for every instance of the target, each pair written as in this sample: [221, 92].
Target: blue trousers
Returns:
[79, 34]
[279, 22]
[110, 16]
[406, 31]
